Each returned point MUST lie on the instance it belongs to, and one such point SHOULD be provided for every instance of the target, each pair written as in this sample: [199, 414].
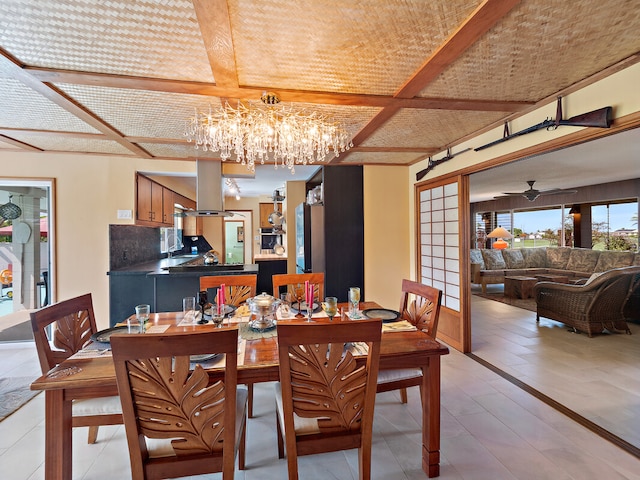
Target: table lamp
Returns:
[500, 233]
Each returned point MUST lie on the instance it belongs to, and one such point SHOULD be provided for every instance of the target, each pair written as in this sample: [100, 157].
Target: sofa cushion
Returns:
[476, 257]
[583, 260]
[493, 260]
[636, 260]
[558, 257]
[609, 260]
[535, 257]
[513, 258]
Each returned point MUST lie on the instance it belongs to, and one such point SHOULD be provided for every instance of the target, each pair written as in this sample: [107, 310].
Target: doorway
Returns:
[26, 263]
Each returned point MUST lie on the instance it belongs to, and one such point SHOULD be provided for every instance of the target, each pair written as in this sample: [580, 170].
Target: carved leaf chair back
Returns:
[326, 396]
[295, 282]
[72, 322]
[180, 420]
[237, 288]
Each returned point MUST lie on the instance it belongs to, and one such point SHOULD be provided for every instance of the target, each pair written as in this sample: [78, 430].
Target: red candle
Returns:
[306, 291]
[218, 301]
[222, 294]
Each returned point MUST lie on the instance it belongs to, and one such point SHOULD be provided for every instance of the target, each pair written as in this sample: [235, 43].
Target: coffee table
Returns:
[519, 286]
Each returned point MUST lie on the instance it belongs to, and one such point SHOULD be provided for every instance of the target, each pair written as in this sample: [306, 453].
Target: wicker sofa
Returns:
[491, 266]
[601, 303]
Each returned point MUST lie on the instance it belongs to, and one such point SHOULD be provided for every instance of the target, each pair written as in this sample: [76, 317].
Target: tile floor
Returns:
[491, 429]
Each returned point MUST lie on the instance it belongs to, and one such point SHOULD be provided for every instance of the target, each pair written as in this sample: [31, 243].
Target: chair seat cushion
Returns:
[161, 447]
[302, 426]
[386, 376]
[97, 406]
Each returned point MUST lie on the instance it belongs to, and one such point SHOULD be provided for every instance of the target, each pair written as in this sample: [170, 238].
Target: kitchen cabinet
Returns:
[167, 207]
[154, 203]
[267, 209]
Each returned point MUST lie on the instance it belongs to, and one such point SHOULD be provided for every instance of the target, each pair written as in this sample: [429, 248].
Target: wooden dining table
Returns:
[93, 376]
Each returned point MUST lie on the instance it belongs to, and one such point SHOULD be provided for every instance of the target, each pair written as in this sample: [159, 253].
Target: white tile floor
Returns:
[491, 429]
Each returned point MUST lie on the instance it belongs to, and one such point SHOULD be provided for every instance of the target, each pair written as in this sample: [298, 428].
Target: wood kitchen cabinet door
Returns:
[167, 206]
[267, 209]
[149, 202]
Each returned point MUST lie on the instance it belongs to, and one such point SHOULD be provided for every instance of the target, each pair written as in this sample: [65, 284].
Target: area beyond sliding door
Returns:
[442, 250]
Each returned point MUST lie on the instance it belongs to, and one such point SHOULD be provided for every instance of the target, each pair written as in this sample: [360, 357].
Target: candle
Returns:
[306, 291]
[223, 295]
[310, 302]
[218, 301]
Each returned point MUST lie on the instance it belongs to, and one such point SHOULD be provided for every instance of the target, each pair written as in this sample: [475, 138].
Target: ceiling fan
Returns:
[531, 194]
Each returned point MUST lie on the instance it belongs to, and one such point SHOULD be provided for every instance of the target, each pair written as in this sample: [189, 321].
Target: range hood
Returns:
[208, 190]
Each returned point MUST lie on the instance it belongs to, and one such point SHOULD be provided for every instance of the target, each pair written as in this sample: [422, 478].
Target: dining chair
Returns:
[326, 395]
[294, 283]
[72, 324]
[180, 421]
[420, 305]
[237, 289]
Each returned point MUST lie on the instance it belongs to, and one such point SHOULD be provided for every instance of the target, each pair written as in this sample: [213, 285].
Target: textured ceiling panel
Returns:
[21, 107]
[381, 158]
[186, 150]
[369, 46]
[67, 144]
[140, 38]
[141, 113]
[429, 128]
[539, 49]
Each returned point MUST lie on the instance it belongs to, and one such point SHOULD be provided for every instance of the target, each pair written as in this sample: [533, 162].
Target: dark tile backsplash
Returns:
[132, 244]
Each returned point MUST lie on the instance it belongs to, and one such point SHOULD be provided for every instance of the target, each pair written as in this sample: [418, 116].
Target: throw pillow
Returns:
[535, 257]
[609, 260]
[558, 257]
[476, 257]
[513, 258]
[583, 260]
[493, 260]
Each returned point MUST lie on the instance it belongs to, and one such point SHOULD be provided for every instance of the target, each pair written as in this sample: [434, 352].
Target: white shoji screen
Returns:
[439, 242]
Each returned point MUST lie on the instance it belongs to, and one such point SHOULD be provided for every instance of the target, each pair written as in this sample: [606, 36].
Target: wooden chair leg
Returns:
[250, 400]
[403, 395]
[241, 449]
[93, 434]
[280, 439]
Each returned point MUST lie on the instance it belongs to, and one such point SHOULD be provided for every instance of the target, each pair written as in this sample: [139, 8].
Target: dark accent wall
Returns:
[132, 244]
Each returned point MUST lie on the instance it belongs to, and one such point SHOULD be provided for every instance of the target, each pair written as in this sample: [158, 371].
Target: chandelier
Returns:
[255, 132]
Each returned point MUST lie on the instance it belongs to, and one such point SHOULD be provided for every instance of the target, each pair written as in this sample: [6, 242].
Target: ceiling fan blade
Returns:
[556, 191]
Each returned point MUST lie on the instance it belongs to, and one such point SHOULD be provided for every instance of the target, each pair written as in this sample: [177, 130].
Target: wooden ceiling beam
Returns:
[215, 27]
[485, 17]
[58, 97]
[19, 144]
[254, 93]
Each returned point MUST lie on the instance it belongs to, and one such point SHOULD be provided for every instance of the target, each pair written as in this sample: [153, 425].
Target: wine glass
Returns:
[354, 300]
[285, 305]
[298, 291]
[330, 307]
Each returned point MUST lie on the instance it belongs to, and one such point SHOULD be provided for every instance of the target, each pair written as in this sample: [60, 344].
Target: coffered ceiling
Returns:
[407, 78]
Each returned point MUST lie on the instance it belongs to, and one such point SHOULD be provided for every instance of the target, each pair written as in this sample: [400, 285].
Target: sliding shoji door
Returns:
[442, 232]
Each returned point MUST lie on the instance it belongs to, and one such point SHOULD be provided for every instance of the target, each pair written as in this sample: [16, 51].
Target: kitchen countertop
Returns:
[161, 266]
[268, 256]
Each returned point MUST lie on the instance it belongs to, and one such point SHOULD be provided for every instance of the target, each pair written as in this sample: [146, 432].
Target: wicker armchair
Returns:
[592, 307]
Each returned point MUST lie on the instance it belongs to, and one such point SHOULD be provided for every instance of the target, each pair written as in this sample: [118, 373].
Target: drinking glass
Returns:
[354, 300]
[217, 318]
[189, 308]
[330, 307]
[285, 305]
[142, 315]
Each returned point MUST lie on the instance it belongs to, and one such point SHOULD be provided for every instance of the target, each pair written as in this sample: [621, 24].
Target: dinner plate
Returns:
[385, 314]
[203, 358]
[228, 310]
[104, 336]
[296, 308]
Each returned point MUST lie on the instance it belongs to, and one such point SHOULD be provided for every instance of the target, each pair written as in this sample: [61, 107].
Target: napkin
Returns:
[401, 326]
[358, 348]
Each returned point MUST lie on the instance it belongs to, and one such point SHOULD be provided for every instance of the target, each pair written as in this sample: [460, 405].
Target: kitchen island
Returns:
[162, 283]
